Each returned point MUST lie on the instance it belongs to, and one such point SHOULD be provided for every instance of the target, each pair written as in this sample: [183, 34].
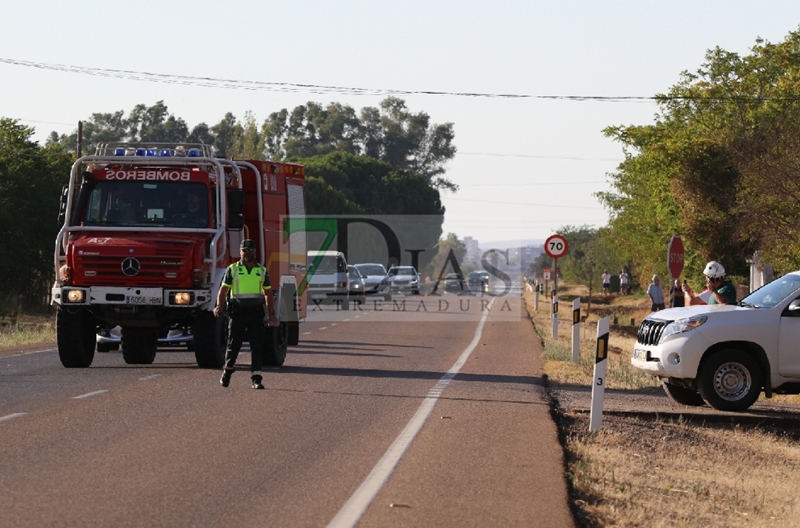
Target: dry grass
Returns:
[25, 330]
[638, 472]
[650, 471]
[558, 352]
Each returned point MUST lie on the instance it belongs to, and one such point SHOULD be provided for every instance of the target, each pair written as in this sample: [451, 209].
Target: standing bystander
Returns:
[656, 294]
[623, 281]
[606, 282]
[676, 298]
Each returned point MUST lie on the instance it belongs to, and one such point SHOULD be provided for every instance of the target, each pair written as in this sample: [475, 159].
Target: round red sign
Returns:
[556, 246]
[675, 256]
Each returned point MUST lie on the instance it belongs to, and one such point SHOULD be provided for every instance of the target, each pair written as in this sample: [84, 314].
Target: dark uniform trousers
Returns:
[249, 323]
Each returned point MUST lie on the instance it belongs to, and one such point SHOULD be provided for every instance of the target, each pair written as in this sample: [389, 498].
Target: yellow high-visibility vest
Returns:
[248, 287]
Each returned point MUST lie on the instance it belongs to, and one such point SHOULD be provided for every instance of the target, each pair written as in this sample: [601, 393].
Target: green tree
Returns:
[404, 140]
[30, 188]
[155, 123]
[224, 134]
[248, 141]
[712, 168]
[368, 186]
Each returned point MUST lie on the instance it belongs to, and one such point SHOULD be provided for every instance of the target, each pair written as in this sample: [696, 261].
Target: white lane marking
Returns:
[306, 333]
[334, 324]
[11, 416]
[152, 376]
[349, 515]
[28, 353]
[347, 320]
[89, 394]
[324, 328]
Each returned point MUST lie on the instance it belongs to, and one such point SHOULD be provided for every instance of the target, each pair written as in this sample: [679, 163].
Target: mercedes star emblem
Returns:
[130, 266]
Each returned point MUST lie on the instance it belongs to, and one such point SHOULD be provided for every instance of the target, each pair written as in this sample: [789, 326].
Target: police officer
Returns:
[247, 283]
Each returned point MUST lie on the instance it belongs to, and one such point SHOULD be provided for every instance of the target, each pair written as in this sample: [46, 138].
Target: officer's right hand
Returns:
[219, 310]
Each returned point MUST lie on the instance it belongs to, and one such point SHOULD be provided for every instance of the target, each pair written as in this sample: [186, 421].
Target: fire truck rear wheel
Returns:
[210, 337]
[276, 343]
[76, 337]
[139, 345]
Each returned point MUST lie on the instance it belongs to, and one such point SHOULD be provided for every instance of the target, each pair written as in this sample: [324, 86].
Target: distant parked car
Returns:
[479, 281]
[404, 279]
[454, 282]
[376, 280]
[108, 340]
[356, 285]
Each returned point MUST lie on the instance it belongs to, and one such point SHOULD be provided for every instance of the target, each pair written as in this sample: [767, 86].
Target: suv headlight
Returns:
[683, 325]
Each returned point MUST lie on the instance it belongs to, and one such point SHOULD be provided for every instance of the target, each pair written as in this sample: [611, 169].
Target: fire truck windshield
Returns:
[151, 204]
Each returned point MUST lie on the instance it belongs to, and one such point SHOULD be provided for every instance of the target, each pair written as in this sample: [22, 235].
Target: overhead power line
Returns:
[211, 82]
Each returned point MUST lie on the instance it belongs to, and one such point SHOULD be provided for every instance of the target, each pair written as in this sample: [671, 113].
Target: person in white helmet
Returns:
[722, 290]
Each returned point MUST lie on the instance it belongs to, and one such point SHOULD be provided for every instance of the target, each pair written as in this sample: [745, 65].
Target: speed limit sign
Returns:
[556, 246]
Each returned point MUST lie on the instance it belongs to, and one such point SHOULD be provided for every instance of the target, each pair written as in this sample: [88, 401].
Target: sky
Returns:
[526, 165]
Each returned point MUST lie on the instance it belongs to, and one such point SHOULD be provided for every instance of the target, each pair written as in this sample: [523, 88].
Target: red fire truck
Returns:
[147, 232]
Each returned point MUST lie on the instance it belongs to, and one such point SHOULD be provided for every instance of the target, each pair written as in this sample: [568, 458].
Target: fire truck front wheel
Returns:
[210, 337]
[139, 345]
[75, 335]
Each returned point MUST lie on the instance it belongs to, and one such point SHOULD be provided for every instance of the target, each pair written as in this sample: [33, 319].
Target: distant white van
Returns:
[327, 279]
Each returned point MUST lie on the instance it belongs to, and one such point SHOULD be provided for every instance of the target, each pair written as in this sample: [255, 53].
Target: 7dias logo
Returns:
[427, 274]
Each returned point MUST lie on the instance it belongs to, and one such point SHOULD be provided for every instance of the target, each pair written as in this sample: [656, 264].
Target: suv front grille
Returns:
[650, 332]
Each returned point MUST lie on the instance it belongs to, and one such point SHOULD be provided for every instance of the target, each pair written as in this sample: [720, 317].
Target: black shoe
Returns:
[257, 382]
[225, 380]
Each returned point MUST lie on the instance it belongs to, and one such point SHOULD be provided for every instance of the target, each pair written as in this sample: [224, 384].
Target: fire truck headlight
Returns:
[182, 298]
[75, 296]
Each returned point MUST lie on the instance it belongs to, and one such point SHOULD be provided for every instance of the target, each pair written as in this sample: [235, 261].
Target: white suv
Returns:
[725, 355]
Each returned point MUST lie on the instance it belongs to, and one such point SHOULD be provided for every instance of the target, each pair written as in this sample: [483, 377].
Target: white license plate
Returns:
[640, 354]
[140, 299]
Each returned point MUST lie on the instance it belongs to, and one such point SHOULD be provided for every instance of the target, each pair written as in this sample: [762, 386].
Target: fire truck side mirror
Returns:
[62, 208]
[235, 202]
[235, 209]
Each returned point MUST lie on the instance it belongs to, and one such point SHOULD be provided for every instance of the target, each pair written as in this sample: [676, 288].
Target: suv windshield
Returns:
[406, 270]
[771, 294]
[327, 264]
[135, 203]
[371, 269]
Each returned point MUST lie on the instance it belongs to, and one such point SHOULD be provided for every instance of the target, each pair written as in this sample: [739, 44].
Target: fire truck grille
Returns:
[650, 332]
[166, 266]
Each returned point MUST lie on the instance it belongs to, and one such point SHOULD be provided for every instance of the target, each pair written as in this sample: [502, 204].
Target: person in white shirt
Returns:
[623, 282]
[606, 282]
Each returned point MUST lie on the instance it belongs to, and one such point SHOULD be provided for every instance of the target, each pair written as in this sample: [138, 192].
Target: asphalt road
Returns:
[378, 418]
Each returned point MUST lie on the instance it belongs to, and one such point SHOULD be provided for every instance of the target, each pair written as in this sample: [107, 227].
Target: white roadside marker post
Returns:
[555, 316]
[599, 380]
[576, 329]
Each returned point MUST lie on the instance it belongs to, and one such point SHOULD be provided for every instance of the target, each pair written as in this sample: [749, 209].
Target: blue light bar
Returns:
[165, 153]
[119, 151]
[141, 152]
[194, 153]
[152, 152]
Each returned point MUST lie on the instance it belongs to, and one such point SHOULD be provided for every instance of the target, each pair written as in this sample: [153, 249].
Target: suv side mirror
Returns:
[795, 306]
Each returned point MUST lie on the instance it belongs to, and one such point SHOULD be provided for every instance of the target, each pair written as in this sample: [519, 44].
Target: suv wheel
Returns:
[730, 380]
